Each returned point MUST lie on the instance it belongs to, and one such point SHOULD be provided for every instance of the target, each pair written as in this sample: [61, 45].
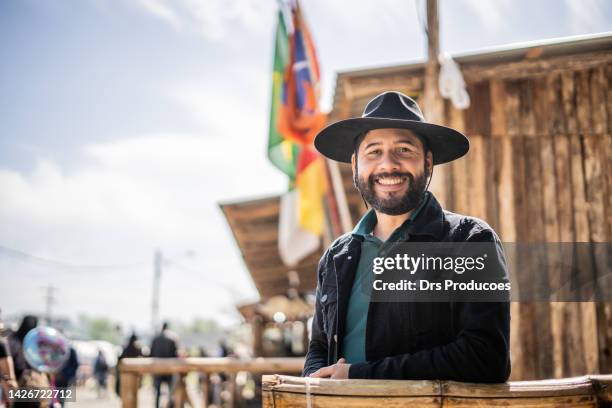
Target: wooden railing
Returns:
[282, 391]
[131, 370]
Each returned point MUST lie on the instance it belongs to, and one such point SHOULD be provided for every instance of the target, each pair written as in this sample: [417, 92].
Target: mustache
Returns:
[399, 174]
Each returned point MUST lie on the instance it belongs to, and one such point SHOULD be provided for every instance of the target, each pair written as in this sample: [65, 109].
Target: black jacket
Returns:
[164, 345]
[413, 340]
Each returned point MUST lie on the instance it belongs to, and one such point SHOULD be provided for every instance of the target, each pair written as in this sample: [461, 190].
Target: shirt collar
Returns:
[366, 224]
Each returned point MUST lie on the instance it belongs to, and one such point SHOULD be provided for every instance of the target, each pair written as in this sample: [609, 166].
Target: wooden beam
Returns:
[284, 391]
[208, 365]
[538, 67]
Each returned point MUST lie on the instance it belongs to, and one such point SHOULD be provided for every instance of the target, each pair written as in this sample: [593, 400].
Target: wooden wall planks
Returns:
[537, 171]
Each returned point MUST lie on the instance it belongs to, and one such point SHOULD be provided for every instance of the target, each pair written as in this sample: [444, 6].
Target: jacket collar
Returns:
[428, 219]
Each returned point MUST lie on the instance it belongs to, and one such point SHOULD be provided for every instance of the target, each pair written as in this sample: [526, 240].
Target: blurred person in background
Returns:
[164, 345]
[133, 349]
[101, 373]
[15, 343]
[67, 375]
[27, 377]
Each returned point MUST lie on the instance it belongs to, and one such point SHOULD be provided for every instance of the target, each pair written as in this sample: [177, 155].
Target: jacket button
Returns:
[324, 298]
[349, 257]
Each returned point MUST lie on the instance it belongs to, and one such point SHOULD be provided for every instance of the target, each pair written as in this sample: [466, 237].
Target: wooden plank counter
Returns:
[210, 365]
[283, 391]
[131, 369]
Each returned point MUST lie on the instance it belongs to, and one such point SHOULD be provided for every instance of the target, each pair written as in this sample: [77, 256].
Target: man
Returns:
[392, 151]
[133, 349]
[164, 345]
[100, 369]
[15, 342]
[66, 377]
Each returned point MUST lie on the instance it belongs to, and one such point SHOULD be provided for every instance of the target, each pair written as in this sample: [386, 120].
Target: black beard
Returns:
[394, 205]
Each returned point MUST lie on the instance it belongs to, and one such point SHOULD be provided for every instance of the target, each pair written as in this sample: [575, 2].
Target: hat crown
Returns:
[393, 105]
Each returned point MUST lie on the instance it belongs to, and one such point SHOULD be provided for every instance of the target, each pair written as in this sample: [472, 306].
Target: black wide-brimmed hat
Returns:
[391, 110]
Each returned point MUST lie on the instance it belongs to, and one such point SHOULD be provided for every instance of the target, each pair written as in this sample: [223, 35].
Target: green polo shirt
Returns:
[353, 344]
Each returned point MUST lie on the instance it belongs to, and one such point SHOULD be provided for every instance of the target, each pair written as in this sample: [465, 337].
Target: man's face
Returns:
[391, 170]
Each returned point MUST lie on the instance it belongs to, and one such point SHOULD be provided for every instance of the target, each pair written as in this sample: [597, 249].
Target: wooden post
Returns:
[129, 390]
[433, 102]
[233, 390]
[205, 386]
[305, 339]
[257, 325]
[434, 105]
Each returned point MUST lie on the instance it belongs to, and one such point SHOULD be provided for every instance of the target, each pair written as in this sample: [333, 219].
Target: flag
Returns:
[295, 119]
[300, 119]
[282, 152]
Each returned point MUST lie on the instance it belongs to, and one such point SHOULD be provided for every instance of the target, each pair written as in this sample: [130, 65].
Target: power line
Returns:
[26, 257]
[232, 291]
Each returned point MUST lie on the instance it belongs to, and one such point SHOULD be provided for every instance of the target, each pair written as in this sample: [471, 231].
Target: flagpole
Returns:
[340, 196]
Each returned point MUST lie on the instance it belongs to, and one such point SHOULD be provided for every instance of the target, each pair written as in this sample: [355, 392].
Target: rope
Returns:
[308, 395]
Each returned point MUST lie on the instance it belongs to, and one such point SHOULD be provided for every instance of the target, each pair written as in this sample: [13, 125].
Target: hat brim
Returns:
[336, 141]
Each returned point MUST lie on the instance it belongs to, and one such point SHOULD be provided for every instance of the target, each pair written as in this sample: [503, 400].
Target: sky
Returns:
[125, 122]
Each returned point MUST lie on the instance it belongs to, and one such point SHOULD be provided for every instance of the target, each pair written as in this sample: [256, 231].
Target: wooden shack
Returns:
[538, 170]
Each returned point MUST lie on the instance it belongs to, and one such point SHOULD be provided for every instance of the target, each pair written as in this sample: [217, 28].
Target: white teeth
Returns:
[387, 181]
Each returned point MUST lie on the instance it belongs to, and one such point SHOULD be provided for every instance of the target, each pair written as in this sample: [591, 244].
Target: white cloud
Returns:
[143, 192]
[213, 19]
[493, 14]
[584, 15]
[162, 11]
[130, 197]
[223, 110]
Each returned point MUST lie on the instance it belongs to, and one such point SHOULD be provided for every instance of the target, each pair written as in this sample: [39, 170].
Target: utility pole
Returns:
[434, 105]
[49, 301]
[157, 270]
[433, 102]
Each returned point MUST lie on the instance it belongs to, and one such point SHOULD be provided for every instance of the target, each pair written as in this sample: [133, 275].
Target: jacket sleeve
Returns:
[317, 348]
[479, 353]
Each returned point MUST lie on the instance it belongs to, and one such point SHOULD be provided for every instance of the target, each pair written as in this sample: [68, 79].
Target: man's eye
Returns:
[404, 150]
[374, 152]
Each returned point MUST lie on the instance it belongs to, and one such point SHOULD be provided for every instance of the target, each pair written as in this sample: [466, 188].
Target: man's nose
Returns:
[389, 162]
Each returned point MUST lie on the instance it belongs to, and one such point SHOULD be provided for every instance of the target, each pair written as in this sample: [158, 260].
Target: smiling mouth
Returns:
[390, 180]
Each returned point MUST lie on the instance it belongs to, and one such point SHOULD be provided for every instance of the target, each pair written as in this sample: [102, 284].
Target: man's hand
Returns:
[339, 370]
